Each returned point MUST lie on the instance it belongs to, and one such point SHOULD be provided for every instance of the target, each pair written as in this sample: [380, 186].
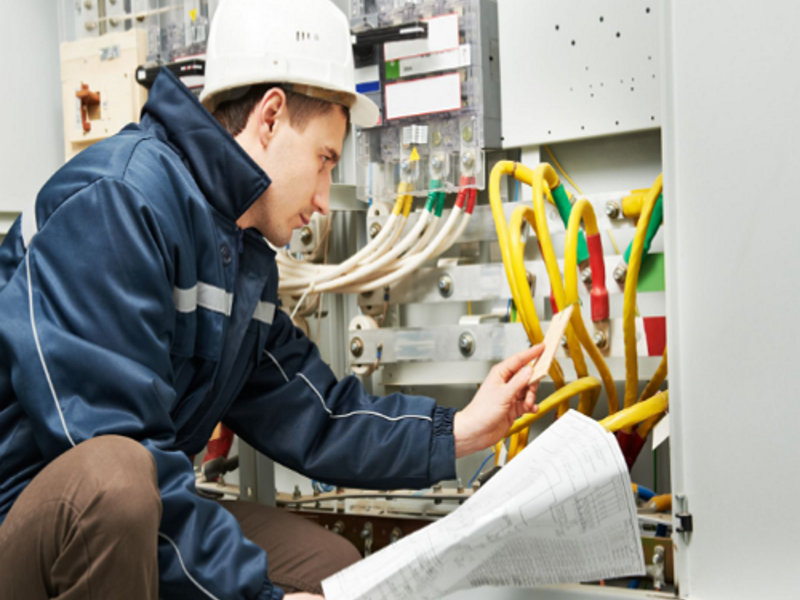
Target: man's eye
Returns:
[325, 160]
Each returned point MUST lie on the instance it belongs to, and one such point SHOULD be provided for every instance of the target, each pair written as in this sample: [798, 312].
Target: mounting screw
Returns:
[437, 163]
[564, 341]
[620, 273]
[466, 134]
[374, 230]
[466, 343]
[356, 347]
[586, 275]
[460, 488]
[600, 339]
[436, 138]
[338, 527]
[306, 235]
[90, 25]
[405, 166]
[88, 4]
[395, 535]
[613, 210]
[446, 285]
[297, 494]
[467, 160]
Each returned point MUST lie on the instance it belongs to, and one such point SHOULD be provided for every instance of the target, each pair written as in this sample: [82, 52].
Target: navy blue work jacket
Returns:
[131, 304]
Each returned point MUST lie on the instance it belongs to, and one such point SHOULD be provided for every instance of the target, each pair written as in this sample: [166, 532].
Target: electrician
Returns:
[138, 310]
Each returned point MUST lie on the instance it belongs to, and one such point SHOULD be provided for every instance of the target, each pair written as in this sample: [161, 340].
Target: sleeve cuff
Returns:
[443, 446]
[270, 592]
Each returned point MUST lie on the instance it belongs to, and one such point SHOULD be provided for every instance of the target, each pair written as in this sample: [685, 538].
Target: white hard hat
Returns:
[302, 42]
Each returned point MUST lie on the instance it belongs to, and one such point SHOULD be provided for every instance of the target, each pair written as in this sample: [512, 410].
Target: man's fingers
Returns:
[519, 382]
[513, 363]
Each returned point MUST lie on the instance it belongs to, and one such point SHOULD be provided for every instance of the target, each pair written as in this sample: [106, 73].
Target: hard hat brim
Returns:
[364, 112]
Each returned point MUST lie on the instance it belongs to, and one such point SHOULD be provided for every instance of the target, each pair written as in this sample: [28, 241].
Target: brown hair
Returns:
[233, 114]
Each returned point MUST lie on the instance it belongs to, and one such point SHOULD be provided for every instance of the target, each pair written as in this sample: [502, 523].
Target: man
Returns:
[137, 307]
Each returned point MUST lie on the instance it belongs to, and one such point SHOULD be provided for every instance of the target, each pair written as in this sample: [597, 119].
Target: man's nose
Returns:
[322, 198]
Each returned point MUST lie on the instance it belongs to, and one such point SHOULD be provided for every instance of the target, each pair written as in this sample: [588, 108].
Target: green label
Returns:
[651, 274]
[393, 69]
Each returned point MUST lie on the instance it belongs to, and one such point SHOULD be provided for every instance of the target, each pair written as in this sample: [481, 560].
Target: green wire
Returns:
[656, 219]
[564, 207]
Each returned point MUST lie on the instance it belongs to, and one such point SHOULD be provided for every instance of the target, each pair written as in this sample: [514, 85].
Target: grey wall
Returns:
[31, 131]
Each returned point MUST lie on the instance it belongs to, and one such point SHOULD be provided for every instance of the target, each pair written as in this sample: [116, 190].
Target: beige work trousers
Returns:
[86, 528]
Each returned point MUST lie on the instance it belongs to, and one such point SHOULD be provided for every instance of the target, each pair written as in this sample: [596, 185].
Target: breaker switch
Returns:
[89, 100]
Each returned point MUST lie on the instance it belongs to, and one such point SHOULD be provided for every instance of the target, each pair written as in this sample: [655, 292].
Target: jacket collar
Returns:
[229, 179]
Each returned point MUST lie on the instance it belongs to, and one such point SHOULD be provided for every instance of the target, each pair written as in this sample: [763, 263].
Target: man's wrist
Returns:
[467, 439]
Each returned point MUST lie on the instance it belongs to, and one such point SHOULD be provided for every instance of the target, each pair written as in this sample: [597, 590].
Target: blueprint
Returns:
[561, 512]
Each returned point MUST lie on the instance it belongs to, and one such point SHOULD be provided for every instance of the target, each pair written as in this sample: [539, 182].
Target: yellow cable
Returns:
[629, 305]
[582, 210]
[553, 401]
[613, 241]
[562, 171]
[520, 293]
[637, 413]
[544, 180]
[647, 426]
[658, 378]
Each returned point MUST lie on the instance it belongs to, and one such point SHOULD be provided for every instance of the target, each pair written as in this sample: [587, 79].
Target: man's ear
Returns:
[271, 113]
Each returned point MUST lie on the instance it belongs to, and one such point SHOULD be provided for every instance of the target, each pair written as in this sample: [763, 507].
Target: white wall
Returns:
[31, 128]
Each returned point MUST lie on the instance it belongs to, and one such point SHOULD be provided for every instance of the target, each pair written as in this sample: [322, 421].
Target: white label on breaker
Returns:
[442, 35]
[423, 96]
[416, 135]
[444, 61]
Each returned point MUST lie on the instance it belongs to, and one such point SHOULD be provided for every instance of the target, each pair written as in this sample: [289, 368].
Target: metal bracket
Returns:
[684, 523]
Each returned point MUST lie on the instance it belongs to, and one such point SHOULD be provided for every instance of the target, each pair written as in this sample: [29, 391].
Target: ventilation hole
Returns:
[549, 132]
[652, 118]
[557, 27]
[633, 79]
[619, 34]
[649, 58]
[617, 122]
[601, 84]
[631, 89]
[592, 95]
[601, 19]
[647, 10]
[654, 75]
[573, 42]
[582, 128]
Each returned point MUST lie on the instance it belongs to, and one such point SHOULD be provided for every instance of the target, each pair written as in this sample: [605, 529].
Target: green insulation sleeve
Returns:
[656, 219]
[565, 210]
[433, 194]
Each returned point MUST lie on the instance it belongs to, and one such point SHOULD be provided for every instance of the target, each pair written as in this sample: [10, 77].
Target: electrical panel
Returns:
[175, 29]
[439, 96]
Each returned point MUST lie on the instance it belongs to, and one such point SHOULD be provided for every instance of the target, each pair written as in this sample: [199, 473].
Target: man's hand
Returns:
[504, 396]
[303, 596]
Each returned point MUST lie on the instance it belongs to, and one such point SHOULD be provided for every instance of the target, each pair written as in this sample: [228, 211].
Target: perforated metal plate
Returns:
[574, 69]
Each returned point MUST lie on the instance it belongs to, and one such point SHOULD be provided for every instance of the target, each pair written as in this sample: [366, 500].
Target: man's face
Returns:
[299, 162]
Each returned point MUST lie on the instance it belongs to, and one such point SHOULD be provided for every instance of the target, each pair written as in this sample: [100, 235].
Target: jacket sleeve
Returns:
[295, 411]
[91, 331]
